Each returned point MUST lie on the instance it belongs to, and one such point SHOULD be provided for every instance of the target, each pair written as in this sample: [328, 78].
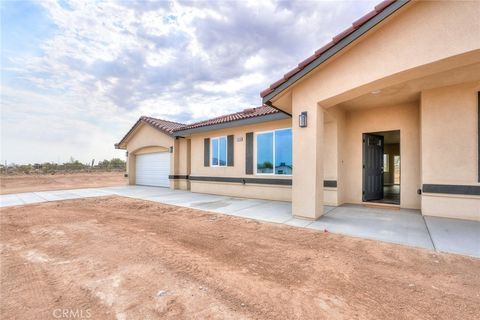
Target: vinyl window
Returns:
[274, 152]
[219, 152]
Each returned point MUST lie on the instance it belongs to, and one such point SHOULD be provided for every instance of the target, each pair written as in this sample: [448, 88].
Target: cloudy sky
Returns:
[76, 75]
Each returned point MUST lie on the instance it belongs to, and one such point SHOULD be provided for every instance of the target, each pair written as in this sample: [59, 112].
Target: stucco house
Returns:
[385, 113]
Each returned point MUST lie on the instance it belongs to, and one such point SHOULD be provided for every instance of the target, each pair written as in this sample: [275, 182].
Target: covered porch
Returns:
[394, 145]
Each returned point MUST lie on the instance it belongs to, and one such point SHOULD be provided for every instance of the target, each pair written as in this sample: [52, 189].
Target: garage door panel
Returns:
[152, 169]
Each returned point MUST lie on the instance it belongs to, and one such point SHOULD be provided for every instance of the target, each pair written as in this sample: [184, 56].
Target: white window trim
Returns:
[218, 155]
[255, 153]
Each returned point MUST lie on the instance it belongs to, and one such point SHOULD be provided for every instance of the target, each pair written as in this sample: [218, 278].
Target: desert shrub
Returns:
[71, 166]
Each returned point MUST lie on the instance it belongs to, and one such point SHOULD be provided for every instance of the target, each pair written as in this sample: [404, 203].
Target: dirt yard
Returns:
[113, 257]
[43, 182]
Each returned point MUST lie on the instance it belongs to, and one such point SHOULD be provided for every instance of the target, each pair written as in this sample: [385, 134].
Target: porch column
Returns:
[307, 188]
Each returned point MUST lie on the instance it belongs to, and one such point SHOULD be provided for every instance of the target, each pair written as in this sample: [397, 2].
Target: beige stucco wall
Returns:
[402, 117]
[449, 116]
[238, 169]
[450, 148]
[333, 137]
[146, 139]
[254, 191]
[451, 206]
[330, 151]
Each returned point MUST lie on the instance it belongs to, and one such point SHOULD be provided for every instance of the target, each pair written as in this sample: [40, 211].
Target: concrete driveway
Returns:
[406, 227]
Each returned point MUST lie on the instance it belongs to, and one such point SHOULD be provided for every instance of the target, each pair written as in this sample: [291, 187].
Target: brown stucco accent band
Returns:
[330, 183]
[451, 189]
[178, 177]
[284, 182]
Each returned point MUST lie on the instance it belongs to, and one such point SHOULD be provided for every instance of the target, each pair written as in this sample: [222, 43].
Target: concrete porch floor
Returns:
[406, 227]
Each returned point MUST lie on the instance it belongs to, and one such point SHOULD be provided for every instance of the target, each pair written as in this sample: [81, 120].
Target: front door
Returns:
[372, 167]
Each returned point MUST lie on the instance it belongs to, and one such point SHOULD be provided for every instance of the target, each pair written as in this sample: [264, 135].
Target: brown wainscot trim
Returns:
[177, 177]
[269, 181]
[330, 183]
[451, 189]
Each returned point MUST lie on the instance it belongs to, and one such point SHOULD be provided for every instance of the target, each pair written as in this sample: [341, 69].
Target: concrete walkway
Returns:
[406, 227]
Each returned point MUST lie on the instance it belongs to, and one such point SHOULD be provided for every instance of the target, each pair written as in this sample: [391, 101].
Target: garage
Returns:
[152, 169]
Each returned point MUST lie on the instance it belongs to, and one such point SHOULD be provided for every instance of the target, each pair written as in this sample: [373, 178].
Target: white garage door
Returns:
[152, 169]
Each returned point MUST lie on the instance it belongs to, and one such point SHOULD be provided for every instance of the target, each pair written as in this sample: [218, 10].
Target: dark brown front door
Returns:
[372, 167]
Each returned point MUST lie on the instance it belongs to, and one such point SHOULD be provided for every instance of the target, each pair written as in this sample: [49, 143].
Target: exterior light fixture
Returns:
[171, 150]
[302, 119]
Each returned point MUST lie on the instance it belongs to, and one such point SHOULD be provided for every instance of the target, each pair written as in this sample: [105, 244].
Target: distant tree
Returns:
[71, 166]
[117, 163]
[114, 163]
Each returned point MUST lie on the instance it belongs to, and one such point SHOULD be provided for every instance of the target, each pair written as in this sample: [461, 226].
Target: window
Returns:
[386, 163]
[274, 152]
[219, 152]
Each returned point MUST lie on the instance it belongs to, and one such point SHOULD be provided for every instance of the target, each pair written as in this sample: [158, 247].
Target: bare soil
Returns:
[59, 181]
[114, 257]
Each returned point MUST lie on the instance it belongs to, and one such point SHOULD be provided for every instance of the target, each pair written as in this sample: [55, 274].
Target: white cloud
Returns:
[110, 62]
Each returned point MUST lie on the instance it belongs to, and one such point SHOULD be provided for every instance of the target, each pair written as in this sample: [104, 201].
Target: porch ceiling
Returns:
[409, 91]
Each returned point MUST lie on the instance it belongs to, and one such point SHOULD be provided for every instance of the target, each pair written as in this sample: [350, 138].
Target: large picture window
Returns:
[274, 152]
[219, 152]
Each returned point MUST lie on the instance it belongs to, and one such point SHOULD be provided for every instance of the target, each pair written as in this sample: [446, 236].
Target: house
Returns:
[385, 113]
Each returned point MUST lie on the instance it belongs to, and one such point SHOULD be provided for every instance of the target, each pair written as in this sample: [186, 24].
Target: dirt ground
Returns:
[114, 257]
[44, 182]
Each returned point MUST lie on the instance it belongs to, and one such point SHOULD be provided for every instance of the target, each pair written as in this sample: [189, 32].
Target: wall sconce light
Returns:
[302, 119]
[171, 150]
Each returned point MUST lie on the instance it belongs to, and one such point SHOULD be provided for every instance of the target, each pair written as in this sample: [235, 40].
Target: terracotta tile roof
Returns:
[170, 127]
[164, 126]
[245, 114]
[336, 39]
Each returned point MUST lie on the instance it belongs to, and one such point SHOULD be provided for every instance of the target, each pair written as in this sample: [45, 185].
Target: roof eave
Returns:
[236, 123]
[119, 146]
[270, 104]
[336, 48]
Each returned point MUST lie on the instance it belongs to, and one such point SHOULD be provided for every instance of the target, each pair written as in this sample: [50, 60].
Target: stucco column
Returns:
[131, 168]
[174, 163]
[307, 188]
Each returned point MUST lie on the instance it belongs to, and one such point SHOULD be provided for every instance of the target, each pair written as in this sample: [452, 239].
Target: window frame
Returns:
[273, 142]
[218, 154]
[386, 164]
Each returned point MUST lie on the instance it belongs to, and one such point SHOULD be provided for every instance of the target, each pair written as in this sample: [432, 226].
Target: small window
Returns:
[386, 163]
[219, 152]
[274, 152]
